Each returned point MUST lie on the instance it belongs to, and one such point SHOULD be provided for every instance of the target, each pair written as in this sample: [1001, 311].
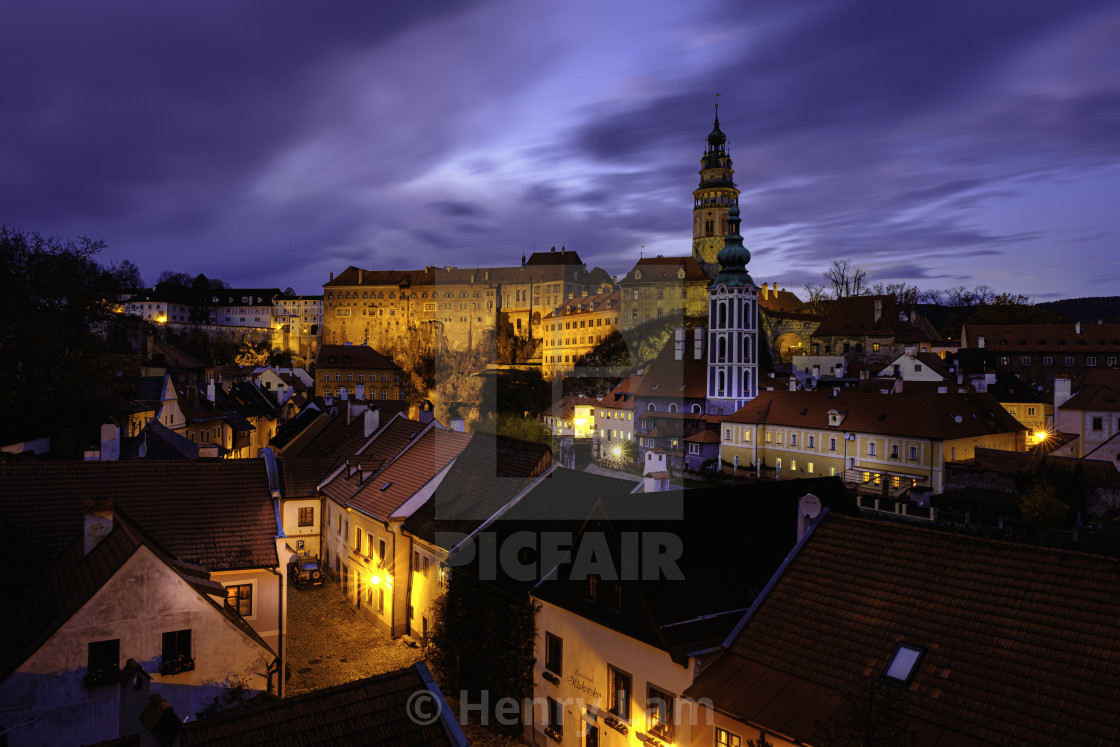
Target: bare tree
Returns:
[846, 279]
[816, 298]
[904, 295]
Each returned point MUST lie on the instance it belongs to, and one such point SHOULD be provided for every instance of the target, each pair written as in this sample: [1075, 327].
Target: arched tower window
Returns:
[696, 409]
[672, 407]
[722, 348]
[722, 315]
[650, 407]
[746, 349]
[722, 383]
[746, 313]
[746, 382]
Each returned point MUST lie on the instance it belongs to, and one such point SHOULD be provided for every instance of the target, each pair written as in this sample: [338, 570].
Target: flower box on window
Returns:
[104, 675]
[176, 665]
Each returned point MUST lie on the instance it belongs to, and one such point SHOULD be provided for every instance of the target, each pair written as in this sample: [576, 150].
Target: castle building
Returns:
[732, 326]
[713, 201]
[461, 308]
[575, 328]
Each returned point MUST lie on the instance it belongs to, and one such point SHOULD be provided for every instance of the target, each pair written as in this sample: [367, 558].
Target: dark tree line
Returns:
[61, 337]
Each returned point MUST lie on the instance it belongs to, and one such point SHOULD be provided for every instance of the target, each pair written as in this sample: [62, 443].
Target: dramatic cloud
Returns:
[274, 143]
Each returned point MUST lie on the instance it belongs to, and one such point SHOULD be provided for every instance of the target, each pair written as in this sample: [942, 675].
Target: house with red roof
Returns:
[886, 444]
[1088, 409]
[366, 500]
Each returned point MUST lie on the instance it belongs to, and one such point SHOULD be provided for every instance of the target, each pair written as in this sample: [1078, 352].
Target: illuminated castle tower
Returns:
[732, 327]
[713, 200]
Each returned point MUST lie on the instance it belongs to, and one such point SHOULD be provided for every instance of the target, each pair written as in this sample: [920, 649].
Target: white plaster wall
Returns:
[267, 590]
[290, 520]
[144, 600]
[588, 650]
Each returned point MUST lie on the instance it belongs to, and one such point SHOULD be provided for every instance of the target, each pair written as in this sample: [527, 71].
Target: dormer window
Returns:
[835, 418]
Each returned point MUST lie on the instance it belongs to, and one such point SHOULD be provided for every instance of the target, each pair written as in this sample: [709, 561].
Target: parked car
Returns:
[306, 569]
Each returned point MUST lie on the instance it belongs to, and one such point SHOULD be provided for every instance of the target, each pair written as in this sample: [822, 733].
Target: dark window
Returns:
[554, 653]
[659, 714]
[592, 586]
[1098, 424]
[103, 663]
[619, 693]
[307, 516]
[556, 716]
[176, 652]
[240, 597]
[381, 550]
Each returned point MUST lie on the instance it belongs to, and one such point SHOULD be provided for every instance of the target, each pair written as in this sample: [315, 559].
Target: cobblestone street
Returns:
[329, 643]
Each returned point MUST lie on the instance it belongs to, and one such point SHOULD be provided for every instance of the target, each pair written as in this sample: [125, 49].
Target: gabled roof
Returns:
[669, 378]
[1095, 390]
[665, 270]
[67, 583]
[371, 456]
[937, 416]
[159, 442]
[380, 711]
[490, 471]
[773, 299]
[1019, 642]
[562, 257]
[610, 300]
[352, 356]
[218, 515]
[175, 357]
[730, 540]
[424, 458]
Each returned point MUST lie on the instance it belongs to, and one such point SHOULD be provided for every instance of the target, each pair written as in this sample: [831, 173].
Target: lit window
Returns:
[240, 597]
[725, 738]
[307, 516]
[903, 664]
[659, 714]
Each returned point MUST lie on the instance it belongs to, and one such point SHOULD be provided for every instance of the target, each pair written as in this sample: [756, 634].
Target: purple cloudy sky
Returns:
[271, 143]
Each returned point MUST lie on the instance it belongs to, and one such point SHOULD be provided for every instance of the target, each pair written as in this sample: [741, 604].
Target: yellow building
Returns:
[575, 328]
[660, 287]
[887, 443]
[361, 371]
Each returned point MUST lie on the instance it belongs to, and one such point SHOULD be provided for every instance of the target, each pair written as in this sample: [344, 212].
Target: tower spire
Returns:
[713, 199]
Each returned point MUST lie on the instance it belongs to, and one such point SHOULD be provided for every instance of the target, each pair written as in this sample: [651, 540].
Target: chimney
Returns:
[793, 383]
[359, 276]
[332, 276]
[1077, 328]
[698, 344]
[159, 724]
[980, 342]
[211, 391]
[458, 424]
[1061, 392]
[765, 287]
[960, 377]
[898, 386]
[110, 442]
[371, 419]
[678, 344]
[98, 522]
[878, 309]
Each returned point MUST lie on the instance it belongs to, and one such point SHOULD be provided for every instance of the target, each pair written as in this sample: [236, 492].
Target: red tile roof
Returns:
[1095, 390]
[372, 456]
[855, 317]
[937, 416]
[1020, 642]
[1042, 338]
[664, 270]
[352, 356]
[422, 460]
[669, 378]
[600, 302]
[218, 515]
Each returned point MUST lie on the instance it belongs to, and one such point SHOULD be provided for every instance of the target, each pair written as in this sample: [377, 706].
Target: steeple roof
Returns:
[733, 257]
